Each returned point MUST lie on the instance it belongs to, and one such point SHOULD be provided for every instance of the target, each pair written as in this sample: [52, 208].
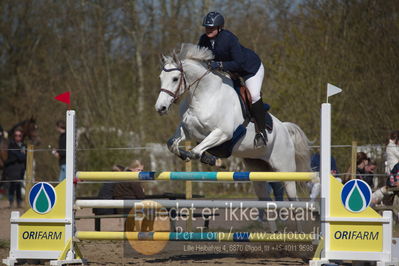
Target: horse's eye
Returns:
[175, 79]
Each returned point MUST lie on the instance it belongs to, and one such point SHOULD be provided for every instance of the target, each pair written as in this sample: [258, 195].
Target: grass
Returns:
[4, 243]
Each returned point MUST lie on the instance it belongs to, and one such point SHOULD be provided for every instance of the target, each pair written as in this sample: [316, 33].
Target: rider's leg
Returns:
[259, 113]
[254, 85]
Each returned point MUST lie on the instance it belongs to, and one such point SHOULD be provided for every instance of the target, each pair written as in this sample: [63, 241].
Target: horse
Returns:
[30, 130]
[211, 112]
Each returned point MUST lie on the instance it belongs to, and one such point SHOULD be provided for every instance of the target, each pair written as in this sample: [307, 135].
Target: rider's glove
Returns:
[215, 65]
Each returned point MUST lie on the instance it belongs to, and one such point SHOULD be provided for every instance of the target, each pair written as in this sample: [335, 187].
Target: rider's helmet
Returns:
[213, 19]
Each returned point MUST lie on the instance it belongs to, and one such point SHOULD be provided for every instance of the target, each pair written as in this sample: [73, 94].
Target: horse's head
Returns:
[174, 80]
[29, 129]
[32, 132]
[173, 84]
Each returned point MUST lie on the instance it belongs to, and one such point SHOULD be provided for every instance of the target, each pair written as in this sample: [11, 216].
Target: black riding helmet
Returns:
[213, 19]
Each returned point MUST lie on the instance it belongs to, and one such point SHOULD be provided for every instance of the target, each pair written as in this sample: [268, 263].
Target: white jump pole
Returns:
[70, 229]
[156, 203]
[325, 168]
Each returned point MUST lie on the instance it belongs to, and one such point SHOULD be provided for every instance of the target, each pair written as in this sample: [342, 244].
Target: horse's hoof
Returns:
[170, 143]
[193, 156]
[184, 155]
[208, 159]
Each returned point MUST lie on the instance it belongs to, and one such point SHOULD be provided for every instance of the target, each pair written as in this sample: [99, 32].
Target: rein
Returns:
[183, 81]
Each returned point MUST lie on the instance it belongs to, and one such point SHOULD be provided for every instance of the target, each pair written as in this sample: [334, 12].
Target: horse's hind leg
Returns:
[261, 190]
[288, 165]
[290, 188]
[260, 187]
[283, 163]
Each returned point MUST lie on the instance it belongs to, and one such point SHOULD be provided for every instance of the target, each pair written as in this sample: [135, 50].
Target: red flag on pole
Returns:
[64, 97]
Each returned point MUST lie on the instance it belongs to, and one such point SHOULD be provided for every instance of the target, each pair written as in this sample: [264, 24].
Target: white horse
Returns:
[211, 112]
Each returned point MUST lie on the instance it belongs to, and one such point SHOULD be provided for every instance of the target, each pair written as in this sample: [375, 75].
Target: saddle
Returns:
[245, 98]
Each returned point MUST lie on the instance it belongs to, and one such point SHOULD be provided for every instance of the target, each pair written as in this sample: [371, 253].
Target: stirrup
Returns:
[260, 140]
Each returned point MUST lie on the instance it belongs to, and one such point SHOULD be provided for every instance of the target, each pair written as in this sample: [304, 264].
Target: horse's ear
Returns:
[163, 59]
[175, 57]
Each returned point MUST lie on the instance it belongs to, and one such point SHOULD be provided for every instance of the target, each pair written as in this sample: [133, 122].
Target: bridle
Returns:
[179, 92]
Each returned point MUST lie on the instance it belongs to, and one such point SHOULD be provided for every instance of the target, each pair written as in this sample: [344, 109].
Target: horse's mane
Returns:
[189, 51]
[195, 52]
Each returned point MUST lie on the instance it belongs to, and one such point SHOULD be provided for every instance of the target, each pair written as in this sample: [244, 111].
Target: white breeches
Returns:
[254, 84]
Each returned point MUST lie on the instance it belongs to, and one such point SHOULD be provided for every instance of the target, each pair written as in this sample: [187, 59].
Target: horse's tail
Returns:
[301, 144]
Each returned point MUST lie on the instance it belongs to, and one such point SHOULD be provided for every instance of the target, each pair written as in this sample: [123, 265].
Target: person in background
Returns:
[130, 190]
[383, 192]
[14, 167]
[60, 153]
[314, 187]
[136, 166]
[315, 163]
[392, 150]
[123, 190]
[369, 170]
[393, 179]
[361, 162]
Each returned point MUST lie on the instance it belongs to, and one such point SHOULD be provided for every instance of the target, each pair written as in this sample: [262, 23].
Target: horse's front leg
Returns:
[215, 138]
[174, 142]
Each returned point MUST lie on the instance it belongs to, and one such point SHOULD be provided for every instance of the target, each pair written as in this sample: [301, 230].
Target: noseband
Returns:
[182, 81]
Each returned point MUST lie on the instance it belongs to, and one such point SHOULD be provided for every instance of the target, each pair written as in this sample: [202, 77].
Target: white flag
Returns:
[332, 90]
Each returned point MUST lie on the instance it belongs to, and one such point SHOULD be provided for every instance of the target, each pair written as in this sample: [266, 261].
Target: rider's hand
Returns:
[215, 65]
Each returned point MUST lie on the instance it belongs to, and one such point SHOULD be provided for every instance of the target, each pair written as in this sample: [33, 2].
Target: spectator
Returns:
[61, 152]
[315, 165]
[14, 167]
[369, 170]
[383, 193]
[393, 178]
[392, 150]
[130, 190]
[136, 166]
[125, 190]
[361, 162]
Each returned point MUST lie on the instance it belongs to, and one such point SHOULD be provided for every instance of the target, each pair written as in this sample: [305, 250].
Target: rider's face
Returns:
[211, 32]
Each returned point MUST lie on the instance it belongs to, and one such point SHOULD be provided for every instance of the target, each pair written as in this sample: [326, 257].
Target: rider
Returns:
[231, 56]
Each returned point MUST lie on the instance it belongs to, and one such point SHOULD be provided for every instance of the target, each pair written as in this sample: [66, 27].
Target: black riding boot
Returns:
[259, 113]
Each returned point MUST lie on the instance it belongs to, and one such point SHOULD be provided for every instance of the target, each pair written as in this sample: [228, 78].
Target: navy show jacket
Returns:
[235, 57]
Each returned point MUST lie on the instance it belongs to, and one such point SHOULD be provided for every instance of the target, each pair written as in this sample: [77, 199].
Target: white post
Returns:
[70, 174]
[387, 237]
[325, 170]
